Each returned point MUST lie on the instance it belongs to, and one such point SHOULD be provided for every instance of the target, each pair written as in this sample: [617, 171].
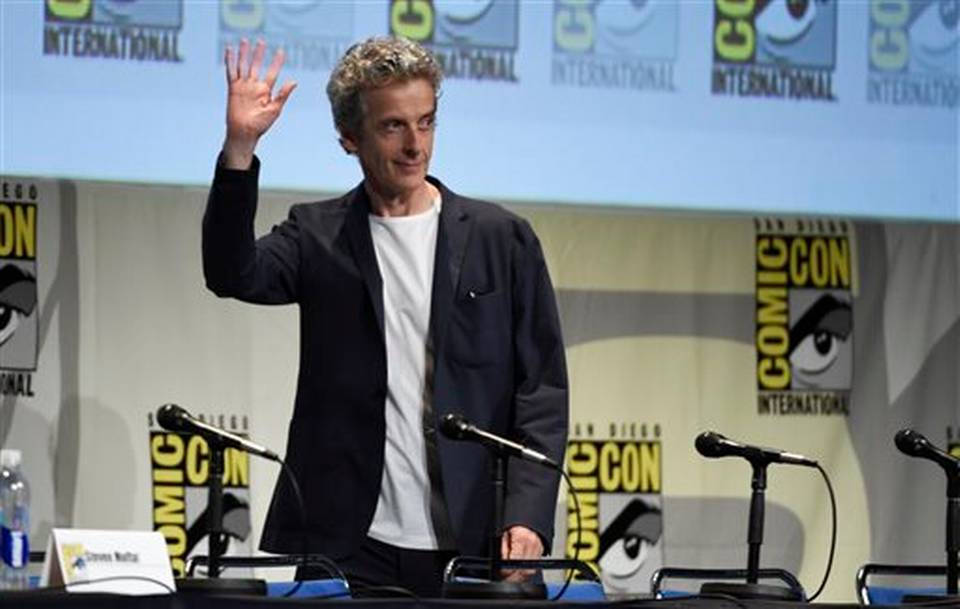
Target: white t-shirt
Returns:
[405, 248]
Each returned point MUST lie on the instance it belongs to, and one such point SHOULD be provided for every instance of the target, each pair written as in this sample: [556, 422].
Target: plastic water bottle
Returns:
[15, 521]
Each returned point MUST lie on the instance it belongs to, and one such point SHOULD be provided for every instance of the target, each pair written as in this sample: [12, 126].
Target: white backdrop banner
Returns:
[817, 335]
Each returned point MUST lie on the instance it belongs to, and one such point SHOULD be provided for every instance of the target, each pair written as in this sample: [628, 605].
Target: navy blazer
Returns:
[498, 353]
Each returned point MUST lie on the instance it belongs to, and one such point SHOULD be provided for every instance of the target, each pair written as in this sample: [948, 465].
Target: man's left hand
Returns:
[519, 542]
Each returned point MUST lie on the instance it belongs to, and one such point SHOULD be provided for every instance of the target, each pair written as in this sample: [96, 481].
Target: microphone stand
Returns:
[914, 444]
[752, 589]
[758, 487]
[952, 542]
[496, 588]
[213, 583]
[953, 529]
[214, 508]
[499, 476]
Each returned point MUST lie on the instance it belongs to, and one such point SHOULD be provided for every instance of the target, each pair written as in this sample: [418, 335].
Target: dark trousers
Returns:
[378, 565]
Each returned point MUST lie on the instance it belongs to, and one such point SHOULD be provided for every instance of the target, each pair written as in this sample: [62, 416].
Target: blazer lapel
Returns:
[455, 224]
[358, 231]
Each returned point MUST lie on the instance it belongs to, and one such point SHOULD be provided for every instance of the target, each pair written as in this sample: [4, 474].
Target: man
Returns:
[415, 302]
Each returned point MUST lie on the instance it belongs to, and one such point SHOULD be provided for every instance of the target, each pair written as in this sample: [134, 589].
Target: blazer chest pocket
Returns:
[480, 328]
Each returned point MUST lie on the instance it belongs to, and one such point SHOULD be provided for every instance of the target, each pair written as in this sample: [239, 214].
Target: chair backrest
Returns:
[266, 561]
[334, 587]
[659, 578]
[869, 592]
[587, 586]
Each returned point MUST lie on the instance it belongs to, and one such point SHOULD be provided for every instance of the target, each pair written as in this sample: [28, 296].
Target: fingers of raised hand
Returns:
[244, 64]
[243, 59]
[274, 70]
[285, 92]
[258, 52]
[236, 62]
[241, 65]
[230, 63]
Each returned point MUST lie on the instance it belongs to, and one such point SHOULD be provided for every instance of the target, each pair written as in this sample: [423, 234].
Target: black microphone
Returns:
[915, 444]
[712, 445]
[173, 418]
[456, 427]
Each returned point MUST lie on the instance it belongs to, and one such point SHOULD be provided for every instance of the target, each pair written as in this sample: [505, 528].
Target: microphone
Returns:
[456, 427]
[915, 444]
[712, 445]
[173, 418]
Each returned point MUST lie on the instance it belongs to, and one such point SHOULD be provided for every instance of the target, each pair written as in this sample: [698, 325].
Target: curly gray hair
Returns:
[373, 63]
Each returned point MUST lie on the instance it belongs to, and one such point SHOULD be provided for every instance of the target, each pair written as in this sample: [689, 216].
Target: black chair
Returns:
[873, 594]
[336, 586]
[277, 560]
[660, 576]
[587, 587]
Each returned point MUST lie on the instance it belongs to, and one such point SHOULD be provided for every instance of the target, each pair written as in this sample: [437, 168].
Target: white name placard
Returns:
[119, 562]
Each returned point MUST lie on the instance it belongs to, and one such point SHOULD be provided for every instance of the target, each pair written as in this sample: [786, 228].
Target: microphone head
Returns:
[910, 442]
[171, 417]
[454, 426]
[708, 444]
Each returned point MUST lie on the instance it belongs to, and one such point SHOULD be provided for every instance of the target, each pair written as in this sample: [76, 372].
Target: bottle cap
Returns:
[9, 457]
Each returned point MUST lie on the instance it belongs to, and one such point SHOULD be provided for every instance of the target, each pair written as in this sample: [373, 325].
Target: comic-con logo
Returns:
[914, 50]
[472, 39]
[137, 30]
[314, 34]
[619, 532]
[775, 48]
[615, 44]
[180, 471]
[74, 557]
[804, 317]
[19, 329]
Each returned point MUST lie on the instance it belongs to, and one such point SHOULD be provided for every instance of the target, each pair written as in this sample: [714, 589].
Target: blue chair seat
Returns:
[890, 595]
[587, 591]
[583, 591]
[875, 594]
[325, 588]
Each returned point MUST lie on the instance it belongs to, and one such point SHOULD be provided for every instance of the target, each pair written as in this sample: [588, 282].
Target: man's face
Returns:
[395, 141]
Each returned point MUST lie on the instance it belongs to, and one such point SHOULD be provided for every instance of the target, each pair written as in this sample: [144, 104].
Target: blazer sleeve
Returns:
[540, 416]
[235, 264]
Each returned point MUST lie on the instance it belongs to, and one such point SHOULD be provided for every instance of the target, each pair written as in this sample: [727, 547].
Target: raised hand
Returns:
[251, 105]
